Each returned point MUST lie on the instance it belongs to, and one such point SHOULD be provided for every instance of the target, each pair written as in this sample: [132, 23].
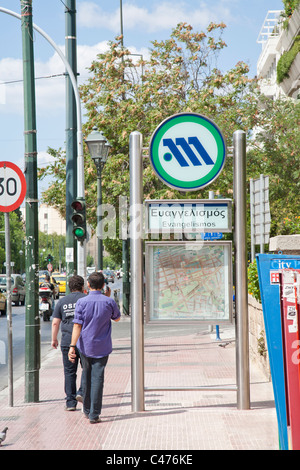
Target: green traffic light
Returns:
[79, 219]
[79, 232]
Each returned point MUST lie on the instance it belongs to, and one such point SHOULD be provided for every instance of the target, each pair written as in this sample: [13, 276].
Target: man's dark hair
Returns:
[96, 280]
[76, 283]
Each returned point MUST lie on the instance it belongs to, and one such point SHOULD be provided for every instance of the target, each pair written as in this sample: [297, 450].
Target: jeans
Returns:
[70, 373]
[93, 369]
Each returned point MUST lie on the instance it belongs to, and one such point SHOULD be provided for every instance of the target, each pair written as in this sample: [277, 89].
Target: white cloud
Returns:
[157, 17]
[50, 92]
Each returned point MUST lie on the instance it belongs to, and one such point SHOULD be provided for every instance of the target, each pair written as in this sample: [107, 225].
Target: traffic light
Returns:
[49, 258]
[79, 219]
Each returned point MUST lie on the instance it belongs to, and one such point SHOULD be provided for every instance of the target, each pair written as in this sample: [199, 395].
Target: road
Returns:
[119, 330]
[18, 336]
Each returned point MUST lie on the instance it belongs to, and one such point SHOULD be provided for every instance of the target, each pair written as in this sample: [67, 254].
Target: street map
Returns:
[190, 282]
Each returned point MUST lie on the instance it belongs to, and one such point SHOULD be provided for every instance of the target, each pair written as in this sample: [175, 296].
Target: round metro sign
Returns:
[187, 151]
[12, 187]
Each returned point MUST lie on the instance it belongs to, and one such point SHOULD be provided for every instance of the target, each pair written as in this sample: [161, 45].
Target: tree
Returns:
[122, 96]
[275, 152]
[53, 244]
[181, 74]
[17, 238]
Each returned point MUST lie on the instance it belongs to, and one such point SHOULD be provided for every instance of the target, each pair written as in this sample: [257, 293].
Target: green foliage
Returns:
[275, 152]
[17, 244]
[55, 245]
[122, 96]
[290, 226]
[286, 60]
[261, 344]
[289, 7]
[253, 283]
[181, 75]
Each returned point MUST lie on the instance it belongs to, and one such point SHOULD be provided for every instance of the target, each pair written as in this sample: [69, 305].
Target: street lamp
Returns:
[99, 148]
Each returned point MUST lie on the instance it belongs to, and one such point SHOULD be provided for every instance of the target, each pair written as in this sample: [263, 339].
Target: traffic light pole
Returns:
[32, 320]
[71, 130]
[81, 259]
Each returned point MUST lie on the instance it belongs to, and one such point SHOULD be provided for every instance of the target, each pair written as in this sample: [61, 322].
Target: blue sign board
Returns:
[212, 236]
[268, 266]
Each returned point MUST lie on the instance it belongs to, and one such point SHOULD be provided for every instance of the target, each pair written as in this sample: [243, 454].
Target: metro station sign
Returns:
[187, 151]
[188, 215]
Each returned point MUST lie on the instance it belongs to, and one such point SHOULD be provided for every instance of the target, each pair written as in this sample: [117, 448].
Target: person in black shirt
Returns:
[63, 317]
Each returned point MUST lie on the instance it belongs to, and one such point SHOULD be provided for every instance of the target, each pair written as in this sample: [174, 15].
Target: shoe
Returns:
[96, 420]
[70, 408]
[79, 398]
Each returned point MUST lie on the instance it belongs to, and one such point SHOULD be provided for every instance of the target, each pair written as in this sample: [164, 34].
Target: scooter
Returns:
[46, 302]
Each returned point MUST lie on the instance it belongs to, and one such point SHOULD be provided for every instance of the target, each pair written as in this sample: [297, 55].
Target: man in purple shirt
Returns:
[92, 337]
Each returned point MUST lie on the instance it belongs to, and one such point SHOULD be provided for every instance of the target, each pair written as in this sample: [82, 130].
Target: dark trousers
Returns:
[70, 373]
[93, 369]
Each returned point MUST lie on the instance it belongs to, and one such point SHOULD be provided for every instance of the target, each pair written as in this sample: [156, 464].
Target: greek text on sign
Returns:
[187, 216]
[187, 151]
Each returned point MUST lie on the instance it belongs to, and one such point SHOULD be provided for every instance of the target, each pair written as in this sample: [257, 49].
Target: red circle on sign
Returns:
[22, 194]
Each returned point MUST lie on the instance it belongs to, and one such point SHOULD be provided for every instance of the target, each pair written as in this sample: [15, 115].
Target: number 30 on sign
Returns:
[12, 187]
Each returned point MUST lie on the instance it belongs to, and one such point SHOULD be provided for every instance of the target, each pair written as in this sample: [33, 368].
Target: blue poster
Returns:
[269, 266]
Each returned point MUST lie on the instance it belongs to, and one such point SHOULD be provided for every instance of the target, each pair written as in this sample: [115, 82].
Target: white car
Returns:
[17, 288]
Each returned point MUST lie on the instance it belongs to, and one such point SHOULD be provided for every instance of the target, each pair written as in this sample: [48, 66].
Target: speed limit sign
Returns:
[12, 187]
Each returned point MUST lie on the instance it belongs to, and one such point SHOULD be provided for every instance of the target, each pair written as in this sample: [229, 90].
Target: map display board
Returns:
[189, 282]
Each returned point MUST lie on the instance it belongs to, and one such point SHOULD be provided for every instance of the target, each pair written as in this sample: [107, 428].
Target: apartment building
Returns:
[50, 221]
[277, 41]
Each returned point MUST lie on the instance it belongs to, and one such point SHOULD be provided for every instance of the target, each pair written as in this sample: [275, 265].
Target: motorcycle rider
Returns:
[47, 283]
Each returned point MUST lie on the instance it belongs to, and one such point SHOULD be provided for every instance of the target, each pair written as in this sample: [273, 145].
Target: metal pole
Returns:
[252, 220]
[81, 247]
[32, 319]
[241, 291]
[9, 311]
[125, 278]
[99, 217]
[71, 139]
[262, 213]
[136, 267]
[121, 22]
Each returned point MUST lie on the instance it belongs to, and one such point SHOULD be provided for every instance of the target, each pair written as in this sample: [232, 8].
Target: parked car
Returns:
[61, 280]
[56, 286]
[2, 303]
[109, 275]
[17, 288]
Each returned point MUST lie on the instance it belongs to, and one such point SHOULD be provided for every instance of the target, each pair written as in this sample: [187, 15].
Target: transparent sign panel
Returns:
[189, 281]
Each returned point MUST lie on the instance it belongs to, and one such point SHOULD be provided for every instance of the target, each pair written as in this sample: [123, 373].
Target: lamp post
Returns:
[99, 148]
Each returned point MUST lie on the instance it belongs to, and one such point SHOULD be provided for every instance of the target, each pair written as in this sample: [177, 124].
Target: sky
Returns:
[97, 22]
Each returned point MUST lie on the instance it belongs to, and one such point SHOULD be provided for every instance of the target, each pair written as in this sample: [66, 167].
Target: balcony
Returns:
[268, 38]
[291, 84]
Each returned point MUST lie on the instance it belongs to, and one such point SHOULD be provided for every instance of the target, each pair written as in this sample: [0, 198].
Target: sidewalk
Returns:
[172, 420]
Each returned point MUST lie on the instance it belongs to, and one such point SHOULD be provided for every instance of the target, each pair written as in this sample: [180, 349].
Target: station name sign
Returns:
[188, 216]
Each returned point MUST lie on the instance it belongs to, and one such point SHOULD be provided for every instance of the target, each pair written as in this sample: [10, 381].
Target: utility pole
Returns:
[125, 243]
[32, 320]
[71, 136]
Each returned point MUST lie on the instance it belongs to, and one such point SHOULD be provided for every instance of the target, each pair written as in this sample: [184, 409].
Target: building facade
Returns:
[50, 221]
[278, 66]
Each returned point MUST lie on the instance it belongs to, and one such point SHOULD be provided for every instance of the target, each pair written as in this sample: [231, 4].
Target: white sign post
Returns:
[12, 194]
